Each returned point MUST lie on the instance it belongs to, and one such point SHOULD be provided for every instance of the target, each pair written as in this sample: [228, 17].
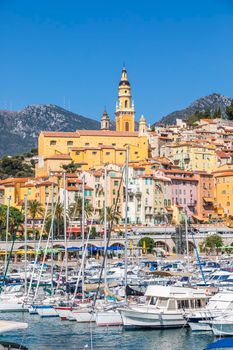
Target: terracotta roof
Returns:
[13, 180]
[177, 171]
[222, 154]
[59, 134]
[59, 156]
[183, 178]
[224, 173]
[106, 133]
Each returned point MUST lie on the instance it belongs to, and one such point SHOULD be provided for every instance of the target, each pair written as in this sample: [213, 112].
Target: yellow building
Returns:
[191, 156]
[18, 188]
[224, 192]
[92, 148]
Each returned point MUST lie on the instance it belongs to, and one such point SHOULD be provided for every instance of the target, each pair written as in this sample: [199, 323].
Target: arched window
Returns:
[126, 103]
[127, 126]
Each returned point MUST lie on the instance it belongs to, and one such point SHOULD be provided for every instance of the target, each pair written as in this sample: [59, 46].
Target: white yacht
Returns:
[222, 325]
[217, 305]
[165, 307]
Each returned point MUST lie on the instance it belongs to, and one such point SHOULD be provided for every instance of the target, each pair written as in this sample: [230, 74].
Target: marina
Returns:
[52, 334]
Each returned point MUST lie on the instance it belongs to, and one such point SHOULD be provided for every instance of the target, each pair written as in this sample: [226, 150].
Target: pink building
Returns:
[184, 190]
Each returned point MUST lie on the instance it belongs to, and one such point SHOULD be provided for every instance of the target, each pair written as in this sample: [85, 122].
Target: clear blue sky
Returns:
[70, 53]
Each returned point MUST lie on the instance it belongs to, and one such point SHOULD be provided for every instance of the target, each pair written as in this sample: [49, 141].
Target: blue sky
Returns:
[71, 53]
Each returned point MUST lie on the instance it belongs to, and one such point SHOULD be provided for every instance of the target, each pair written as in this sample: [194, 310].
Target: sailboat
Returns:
[109, 315]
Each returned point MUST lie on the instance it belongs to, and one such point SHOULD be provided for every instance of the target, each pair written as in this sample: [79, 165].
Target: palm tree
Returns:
[111, 216]
[3, 211]
[75, 209]
[58, 220]
[35, 210]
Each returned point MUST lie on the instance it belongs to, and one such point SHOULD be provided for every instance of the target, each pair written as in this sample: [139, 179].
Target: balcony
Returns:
[192, 204]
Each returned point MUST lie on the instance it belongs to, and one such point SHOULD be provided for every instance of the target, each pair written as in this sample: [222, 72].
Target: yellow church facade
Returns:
[91, 148]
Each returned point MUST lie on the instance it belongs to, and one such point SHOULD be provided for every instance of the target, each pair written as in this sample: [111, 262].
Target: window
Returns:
[70, 143]
[107, 153]
[135, 152]
[147, 191]
[77, 153]
[228, 204]
[53, 143]
[113, 191]
[94, 152]
[87, 144]
[127, 126]
[121, 153]
[115, 183]
[113, 144]
[100, 144]
[126, 103]
[29, 191]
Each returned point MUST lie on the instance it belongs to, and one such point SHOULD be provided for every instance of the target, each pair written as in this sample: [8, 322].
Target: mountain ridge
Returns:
[212, 101]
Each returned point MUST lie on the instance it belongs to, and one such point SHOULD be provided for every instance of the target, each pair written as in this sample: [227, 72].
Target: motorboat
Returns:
[217, 305]
[165, 307]
[222, 325]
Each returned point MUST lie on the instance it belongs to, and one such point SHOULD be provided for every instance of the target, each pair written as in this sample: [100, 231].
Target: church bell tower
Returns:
[125, 107]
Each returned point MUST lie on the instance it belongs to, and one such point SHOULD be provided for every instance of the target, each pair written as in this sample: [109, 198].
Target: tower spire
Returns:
[125, 108]
[105, 120]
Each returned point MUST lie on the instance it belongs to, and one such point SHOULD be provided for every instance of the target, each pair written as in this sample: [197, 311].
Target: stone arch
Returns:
[163, 245]
[58, 246]
[117, 244]
[27, 246]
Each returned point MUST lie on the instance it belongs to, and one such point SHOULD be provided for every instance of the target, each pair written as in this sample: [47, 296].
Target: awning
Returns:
[199, 218]
[208, 200]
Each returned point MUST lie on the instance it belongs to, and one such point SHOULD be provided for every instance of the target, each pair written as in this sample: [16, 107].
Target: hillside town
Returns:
[173, 170]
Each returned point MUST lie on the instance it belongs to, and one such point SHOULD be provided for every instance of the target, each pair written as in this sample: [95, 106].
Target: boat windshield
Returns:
[162, 303]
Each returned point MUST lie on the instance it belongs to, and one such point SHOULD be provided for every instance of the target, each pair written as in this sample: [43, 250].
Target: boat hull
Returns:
[157, 320]
[83, 316]
[108, 318]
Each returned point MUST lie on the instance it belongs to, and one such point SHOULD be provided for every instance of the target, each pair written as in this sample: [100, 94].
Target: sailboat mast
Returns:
[7, 228]
[83, 229]
[105, 230]
[52, 234]
[25, 242]
[126, 214]
[186, 238]
[65, 233]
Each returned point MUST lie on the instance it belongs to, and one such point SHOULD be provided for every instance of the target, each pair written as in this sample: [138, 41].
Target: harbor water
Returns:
[52, 333]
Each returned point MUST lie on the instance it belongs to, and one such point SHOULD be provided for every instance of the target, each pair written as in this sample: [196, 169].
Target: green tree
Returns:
[15, 218]
[75, 209]
[229, 111]
[15, 167]
[213, 242]
[217, 113]
[58, 221]
[148, 243]
[71, 168]
[35, 210]
[3, 214]
[110, 216]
